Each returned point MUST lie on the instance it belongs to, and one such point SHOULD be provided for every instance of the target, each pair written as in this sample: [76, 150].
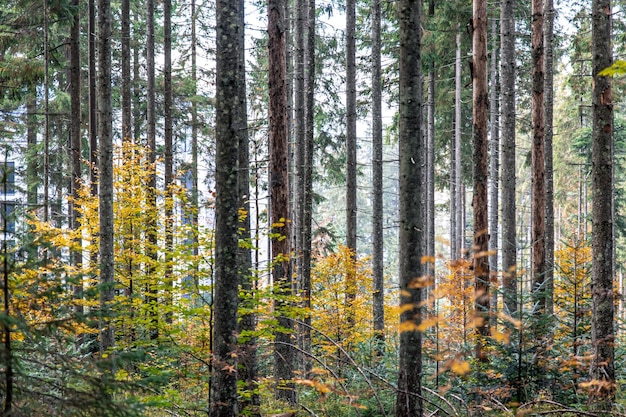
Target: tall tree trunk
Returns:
[248, 368]
[481, 158]
[430, 165]
[307, 213]
[279, 198]
[602, 396]
[299, 133]
[152, 285]
[138, 93]
[105, 173]
[548, 98]
[93, 129]
[46, 109]
[508, 183]
[230, 133]
[194, 143]
[75, 142]
[125, 88]
[459, 244]
[408, 401]
[169, 156]
[538, 172]
[378, 302]
[494, 169]
[351, 204]
[32, 160]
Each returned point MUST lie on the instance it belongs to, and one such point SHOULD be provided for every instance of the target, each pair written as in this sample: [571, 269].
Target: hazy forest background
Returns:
[306, 207]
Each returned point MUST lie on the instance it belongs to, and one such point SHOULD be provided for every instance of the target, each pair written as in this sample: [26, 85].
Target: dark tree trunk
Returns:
[602, 396]
[408, 401]
[248, 367]
[538, 172]
[351, 204]
[494, 168]
[75, 142]
[549, 133]
[307, 213]
[105, 173]
[508, 183]
[279, 197]
[230, 132]
[93, 129]
[152, 286]
[481, 158]
[169, 156]
[125, 87]
[378, 302]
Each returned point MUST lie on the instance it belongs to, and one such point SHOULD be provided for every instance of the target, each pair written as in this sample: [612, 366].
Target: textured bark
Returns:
[32, 127]
[459, 231]
[299, 133]
[248, 366]
[105, 173]
[603, 266]
[378, 302]
[548, 98]
[125, 87]
[75, 141]
[494, 169]
[46, 111]
[152, 286]
[279, 197]
[93, 128]
[230, 127]
[408, 401]
[480, 158]
[194, 141]
[508, 183]
[538, 228]
[351, 204]
[169, 156]
[307, 213]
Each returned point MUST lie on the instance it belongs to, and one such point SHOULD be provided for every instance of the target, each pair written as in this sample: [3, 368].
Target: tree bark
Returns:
[75, 143]
[105, 174]
[230, 132]
[152, 286]
[169, 157]
[538, 171]
[351, 203]
[548, 34]
[408, 401]
[602, 396]
[480, 158]
[279, 198]
[508, 182]
[494, 171]
[378, 302]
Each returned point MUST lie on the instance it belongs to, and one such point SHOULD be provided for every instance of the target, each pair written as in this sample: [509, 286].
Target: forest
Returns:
[281, 208]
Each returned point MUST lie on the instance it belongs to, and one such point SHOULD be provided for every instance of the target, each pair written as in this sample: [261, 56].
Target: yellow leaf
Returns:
[408, 326]
[427, 259]
[460, 367]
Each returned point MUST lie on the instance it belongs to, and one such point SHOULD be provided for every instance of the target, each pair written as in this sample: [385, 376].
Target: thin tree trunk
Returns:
[408, 401]
[194, 144]
[307, 214]
[480, 157]
[538, 172]
[507, 91]
[549, 133]
[152, 285]
[248, 368]
[169, 157]
[458, 179]
[378, 302]
[105, 174]
[46, 135]
[494, 168]
[93, 129]
[32, 179]
[279, 198]
[351, 203]
[125, 87]
[230, 133]
[602, 396]
[75, 143]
